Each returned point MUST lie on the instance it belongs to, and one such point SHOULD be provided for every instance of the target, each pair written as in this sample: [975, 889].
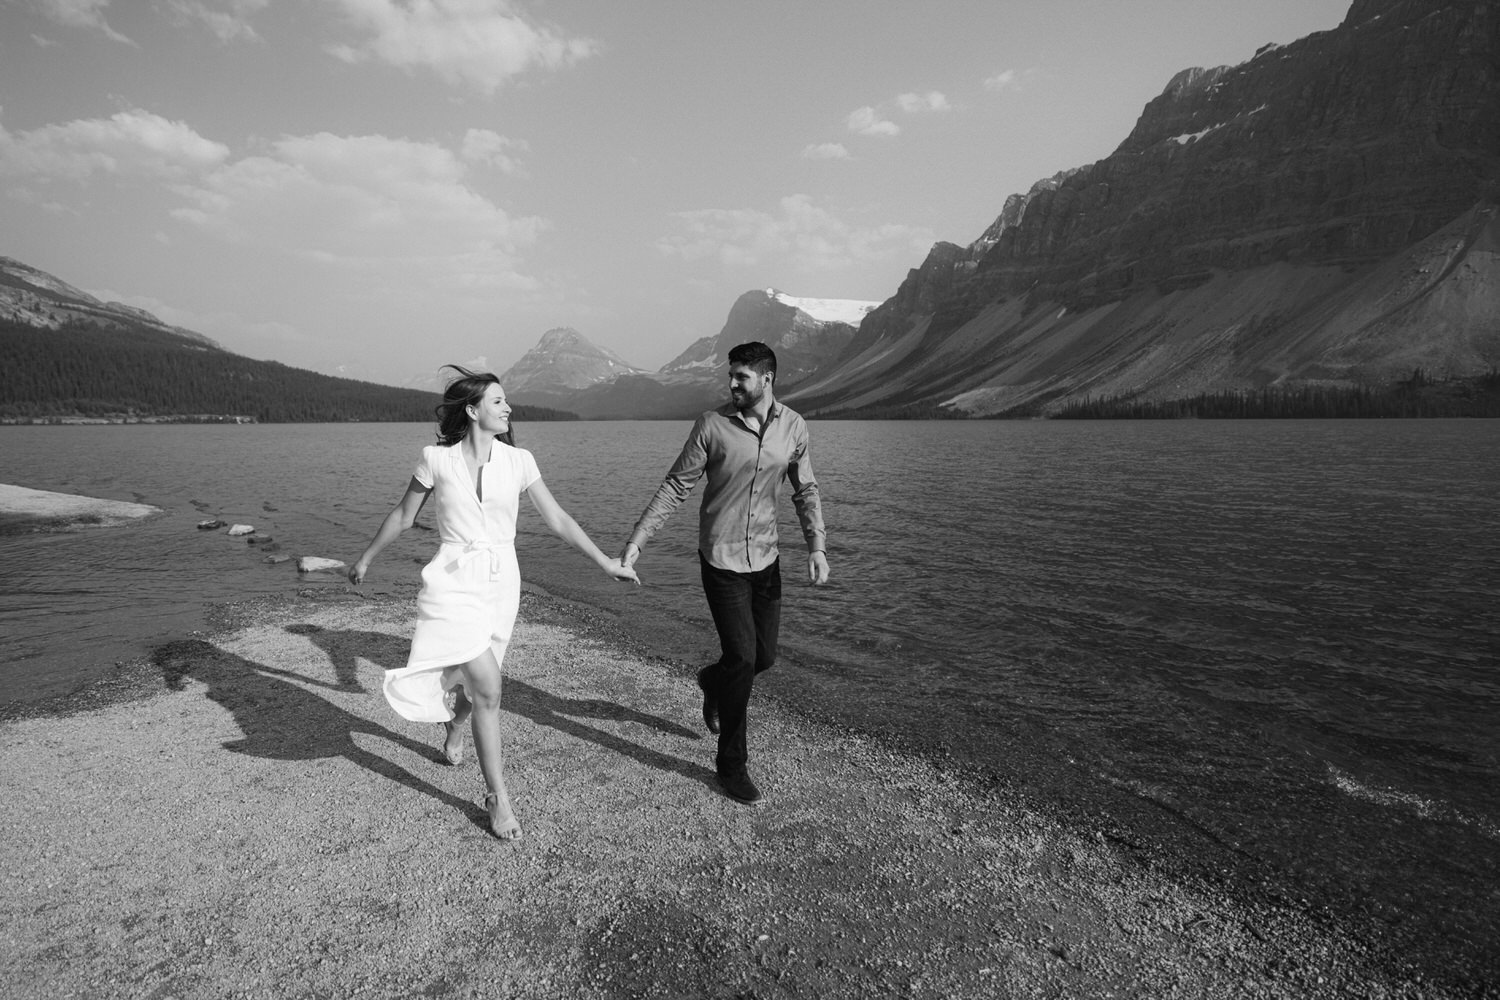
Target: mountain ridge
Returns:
[1296, 173]
[1321, 214]
[32, 296]
[66, 356]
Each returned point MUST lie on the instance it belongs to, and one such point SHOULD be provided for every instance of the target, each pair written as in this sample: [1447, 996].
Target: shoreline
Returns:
[242, 813]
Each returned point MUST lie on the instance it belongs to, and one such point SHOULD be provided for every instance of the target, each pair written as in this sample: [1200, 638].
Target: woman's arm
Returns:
[398, 520]
[563, 526]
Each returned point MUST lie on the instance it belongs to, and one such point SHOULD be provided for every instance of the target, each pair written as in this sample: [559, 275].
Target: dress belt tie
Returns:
[493, 549]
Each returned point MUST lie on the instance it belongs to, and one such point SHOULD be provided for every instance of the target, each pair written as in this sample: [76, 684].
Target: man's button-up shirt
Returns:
[745, 470]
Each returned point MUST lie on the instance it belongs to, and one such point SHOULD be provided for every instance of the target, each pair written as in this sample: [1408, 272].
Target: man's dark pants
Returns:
[747, 614]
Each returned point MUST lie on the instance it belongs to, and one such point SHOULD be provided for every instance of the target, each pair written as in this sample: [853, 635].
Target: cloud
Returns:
[867, 121]
[1008, 80]
[129, 144]
[475, 43]
[87, 14]
[401, 209]
[825, 151]
[1000, 80]
[394, 207]
[914, 104]
[226, 20]
[800, 236]
[483, 147]
[873, 120]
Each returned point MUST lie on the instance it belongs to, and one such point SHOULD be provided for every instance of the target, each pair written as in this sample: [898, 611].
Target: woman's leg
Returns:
[480, 678]
[453, 730]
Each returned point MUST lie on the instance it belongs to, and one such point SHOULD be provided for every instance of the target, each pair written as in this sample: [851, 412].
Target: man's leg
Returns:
[730, 601]
[765, 609]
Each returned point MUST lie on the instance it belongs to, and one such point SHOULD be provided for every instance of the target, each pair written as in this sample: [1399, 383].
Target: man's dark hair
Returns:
[754, 355]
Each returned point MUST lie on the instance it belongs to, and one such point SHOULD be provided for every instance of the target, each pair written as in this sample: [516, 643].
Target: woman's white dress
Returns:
[472, 587]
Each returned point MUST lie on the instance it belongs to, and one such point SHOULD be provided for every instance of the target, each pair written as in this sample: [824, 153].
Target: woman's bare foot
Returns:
[502, 821]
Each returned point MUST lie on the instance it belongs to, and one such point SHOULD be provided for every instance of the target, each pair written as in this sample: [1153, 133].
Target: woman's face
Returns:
[492, 413]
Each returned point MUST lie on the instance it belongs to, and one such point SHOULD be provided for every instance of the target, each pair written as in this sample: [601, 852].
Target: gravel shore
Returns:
[243, 816]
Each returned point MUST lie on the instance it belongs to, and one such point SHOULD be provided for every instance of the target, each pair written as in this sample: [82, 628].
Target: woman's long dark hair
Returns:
[464, 390]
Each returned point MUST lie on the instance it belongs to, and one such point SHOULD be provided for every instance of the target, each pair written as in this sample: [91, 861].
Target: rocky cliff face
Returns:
[1264, 194]
[804, 333]
[36, 298]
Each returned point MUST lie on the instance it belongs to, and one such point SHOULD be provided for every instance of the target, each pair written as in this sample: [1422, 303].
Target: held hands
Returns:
[817, 568]
[619, 570]
[623, 567]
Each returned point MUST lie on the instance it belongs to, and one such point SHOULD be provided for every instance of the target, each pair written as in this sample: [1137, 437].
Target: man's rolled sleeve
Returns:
[675, 488]
[807, 500]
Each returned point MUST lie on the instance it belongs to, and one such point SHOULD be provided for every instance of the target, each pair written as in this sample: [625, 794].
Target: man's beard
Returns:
[744, 399]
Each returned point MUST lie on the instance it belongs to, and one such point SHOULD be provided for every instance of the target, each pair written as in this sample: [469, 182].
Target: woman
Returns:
[471, 588]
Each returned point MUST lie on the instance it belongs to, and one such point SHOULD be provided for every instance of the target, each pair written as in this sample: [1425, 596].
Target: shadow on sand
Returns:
[345, 647]
[282, 720]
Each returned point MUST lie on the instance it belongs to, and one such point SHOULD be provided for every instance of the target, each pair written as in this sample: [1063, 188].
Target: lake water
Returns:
[1263, 650]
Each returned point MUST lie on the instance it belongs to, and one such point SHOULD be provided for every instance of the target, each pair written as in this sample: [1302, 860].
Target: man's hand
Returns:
[817, 568]
[629, 554]
[618, 570]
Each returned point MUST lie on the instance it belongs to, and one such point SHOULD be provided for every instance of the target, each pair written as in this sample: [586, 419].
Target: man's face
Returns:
[746, 387]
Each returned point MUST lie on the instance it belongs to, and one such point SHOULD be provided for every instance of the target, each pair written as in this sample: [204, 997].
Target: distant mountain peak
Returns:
[565, 338]
[563, 360]
[804, 332]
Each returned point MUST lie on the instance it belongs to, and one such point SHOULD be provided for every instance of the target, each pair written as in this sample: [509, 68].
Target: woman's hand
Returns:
[357, 572]
[619, 571]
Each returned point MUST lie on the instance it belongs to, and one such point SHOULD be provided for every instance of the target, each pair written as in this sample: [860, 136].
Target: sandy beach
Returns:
[241, 815]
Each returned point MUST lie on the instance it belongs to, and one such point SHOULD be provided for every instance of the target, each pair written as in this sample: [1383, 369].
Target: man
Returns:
[747, 448]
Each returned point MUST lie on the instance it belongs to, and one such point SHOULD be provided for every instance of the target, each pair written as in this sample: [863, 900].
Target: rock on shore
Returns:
[43, 507]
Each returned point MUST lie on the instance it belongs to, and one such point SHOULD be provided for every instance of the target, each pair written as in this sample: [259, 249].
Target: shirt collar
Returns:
[730, 410]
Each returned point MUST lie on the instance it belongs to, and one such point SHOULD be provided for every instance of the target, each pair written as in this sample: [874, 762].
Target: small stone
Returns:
[314, 564]
[211, 524]
[241, 529]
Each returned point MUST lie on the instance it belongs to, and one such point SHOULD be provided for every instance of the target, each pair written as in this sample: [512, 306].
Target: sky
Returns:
[379, 187]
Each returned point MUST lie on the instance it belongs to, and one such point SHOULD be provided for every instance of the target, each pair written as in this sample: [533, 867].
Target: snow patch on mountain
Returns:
[850, 311]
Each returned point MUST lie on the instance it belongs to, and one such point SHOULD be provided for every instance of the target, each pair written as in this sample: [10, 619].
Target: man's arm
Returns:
[674, 489]
[809, 504]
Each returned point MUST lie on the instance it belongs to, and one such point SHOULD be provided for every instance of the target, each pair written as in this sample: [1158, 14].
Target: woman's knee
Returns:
[482, 683]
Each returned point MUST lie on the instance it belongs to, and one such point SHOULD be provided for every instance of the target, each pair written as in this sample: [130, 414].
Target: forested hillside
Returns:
[83, 370]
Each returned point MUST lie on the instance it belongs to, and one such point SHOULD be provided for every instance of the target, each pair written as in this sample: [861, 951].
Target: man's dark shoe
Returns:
[710, 704]
[738, 786]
